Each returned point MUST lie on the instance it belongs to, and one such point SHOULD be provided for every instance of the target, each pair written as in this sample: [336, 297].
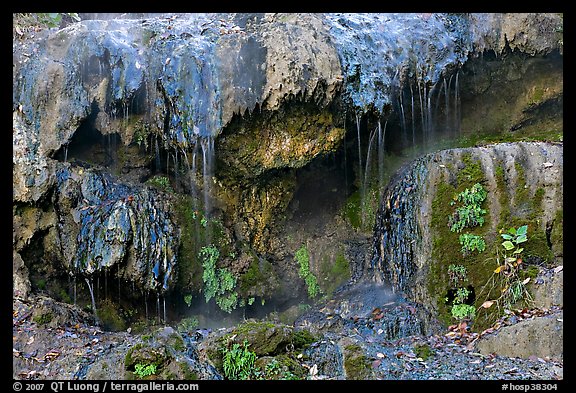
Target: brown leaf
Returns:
[376, 363]
[487, 304]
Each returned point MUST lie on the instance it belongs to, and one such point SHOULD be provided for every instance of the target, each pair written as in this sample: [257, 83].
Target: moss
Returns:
[145, 355]
[110, 317]
[40, 283]
[189, 266]
[529, 271]
[280, 367]
[187, 373]
[356, 364]
[446, 248]
[423, 351]
[176, 342]
[264, 337]
[353, 210]
[256, 280]
[302, 339]
[333, 274]
[43, 319]
[557, 232]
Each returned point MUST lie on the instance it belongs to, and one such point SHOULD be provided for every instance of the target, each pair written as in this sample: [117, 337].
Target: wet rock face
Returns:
[524, 186]
[531, 33]
[104, 224]
[268, 101]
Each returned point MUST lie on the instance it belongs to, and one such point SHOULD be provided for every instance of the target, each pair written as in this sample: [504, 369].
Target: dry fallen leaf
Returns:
[487, 304]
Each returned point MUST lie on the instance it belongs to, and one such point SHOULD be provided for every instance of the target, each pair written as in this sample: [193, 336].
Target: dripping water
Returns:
[457, 106]
[91, 289]
[158, 307]
[381, 151]
[157, 151]
[413, 116]
[146, 304]
[207, 145]
[176, 166]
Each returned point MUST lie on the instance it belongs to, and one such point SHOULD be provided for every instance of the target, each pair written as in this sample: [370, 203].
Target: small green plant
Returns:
[457, 273]
[239, 362]
[303, 260]
[463, 311]
[160, 182]
[144, 370]
[187, 324]
[459, 308]
[219, 283]
[470, 213]
[188, 299]
[505, 280]
[471, 243]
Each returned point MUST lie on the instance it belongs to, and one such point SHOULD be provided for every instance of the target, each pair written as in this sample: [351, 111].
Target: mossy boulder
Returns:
[357, 365]
[166, 354]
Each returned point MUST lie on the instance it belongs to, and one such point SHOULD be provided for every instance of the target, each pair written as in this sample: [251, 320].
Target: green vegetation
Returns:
[423, 351]
[303, 260]
[188, 299]
[43, 19]
[459, 307]
[356, 364]
[144, 370]
[470, 213]
[333, 274]
[161, 183]
[109, 314]
[239, 362]
[219, 283]
[471, 242]
[506, 287]
[43, 319]
[187, 324]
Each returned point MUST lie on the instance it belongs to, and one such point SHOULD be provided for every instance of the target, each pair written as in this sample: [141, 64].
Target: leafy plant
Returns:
[144, 370]
[470, 213]
[463, 311]
[303, 260]
[471, 242]
[219, 283]
[506, 280]
[239, 362]
[188, 300]
[459, 309]
[457, 273]
[161, 183]
[187, 324]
